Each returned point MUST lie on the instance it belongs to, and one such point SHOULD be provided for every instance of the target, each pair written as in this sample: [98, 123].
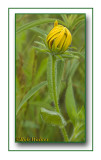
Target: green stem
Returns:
[64, 134]
[54, 75]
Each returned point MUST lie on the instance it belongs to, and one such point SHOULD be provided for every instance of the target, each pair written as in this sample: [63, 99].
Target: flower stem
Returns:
[54, 76]
[64, 134]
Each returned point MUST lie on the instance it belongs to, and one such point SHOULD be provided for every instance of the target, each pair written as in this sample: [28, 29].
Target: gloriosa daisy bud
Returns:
[59, 38]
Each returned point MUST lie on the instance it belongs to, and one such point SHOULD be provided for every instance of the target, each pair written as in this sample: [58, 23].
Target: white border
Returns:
[16, 146]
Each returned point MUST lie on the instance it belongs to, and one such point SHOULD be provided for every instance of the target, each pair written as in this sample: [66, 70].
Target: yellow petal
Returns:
[55, 23]
[59, 27]
[67, 41]
[58, 39]
[50, 41]
[50, 35]
[62, 41]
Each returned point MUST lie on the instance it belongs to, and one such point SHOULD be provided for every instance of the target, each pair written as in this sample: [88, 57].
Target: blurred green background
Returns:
[31, 69]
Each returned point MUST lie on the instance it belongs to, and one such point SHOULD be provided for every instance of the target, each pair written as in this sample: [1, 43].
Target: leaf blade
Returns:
[60, 69]
[37, 23]
[49, 77]
[29, 94]
[70, 102]
[53, 117]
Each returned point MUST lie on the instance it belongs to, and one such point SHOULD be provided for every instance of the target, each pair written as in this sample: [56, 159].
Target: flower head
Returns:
[59, 38]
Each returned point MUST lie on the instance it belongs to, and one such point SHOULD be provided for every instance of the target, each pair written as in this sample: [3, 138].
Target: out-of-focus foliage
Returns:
[31, 70]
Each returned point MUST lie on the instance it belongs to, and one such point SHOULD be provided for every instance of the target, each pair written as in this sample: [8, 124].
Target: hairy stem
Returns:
[54, 76]
[64, 134]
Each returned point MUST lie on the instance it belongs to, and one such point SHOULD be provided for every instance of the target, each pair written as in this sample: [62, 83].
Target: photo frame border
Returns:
[85, 91]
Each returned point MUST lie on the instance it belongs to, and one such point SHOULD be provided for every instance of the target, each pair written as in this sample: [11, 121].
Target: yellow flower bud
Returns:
[59, 38]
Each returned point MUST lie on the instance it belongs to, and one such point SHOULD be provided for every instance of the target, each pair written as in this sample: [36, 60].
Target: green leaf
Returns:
[78, 27]
[49, 77]
[70, 56]
[78, 133]
[80, 136]
[60, 69]
[29, 124]
[39, 43]
[30, 93]
[37, 23]
[73, 53]
[52, 117]
[77, 21]
[70, 102]
[59, 57]
[81, 114]
[41, 50]
[73, 68]
[42, 68]
[39, 30]
[64, 17]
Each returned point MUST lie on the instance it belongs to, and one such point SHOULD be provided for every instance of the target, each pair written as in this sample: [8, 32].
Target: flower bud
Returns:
[59, 38]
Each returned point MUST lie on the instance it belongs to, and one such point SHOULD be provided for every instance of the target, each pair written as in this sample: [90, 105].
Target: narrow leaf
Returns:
[77, 21]
[81, 114]
[42, 68]
[70, 102]
[39, 30]
[29, 124]
[37, 23]
[70, 56]
[39, 43]
[52, 117]
[73, 68]
[41, 50]
[60, 69]
[30, 93]
[78, 27]
[64, 17]
[49, 77]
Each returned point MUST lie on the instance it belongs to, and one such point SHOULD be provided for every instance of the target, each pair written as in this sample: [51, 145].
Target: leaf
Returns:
[39, 30]
[73, 53]
[64, 17]
[70, 102]
[49, 77]
[81, 114]
[71, 68]
[52, 117]
[30, 93]
[78, 133]
[78, 27]
[60, 69]
[40, 44]
[70, 56]
[74, 67]
[29, 124]
[42, 68]
[41, 50]
[80, 136]
[37, 23]
[77, 21]
[59, 57]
